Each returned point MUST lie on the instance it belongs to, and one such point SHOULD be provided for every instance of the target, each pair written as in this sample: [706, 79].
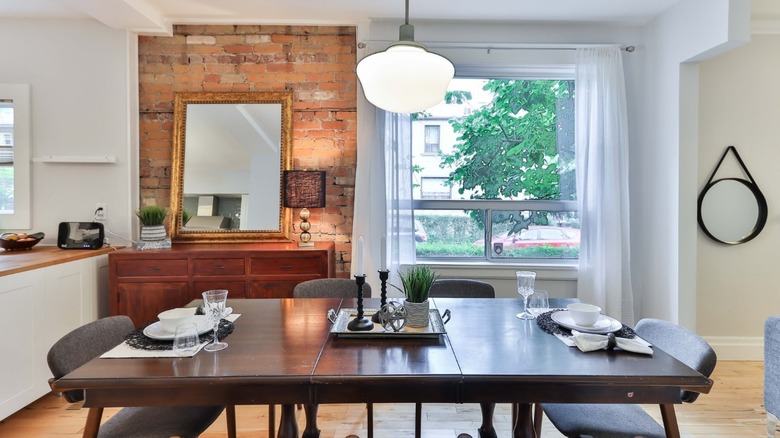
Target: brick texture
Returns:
[316, 63]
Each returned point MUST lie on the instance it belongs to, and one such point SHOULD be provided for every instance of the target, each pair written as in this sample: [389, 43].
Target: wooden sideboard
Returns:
[144, 283]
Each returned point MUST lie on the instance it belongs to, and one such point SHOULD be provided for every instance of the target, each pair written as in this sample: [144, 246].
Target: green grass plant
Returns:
[417, 282]
[151, 215]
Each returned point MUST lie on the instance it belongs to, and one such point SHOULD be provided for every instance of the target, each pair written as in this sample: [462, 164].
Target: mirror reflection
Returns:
[230, 152]
[732, 211]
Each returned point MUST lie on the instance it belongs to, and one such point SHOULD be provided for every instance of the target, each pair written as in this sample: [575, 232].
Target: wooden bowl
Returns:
[17, 245]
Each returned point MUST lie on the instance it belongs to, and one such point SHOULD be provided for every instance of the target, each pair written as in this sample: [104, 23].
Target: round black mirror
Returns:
[732, 210]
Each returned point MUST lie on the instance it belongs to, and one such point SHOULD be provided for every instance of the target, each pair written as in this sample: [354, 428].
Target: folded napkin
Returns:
[592, 342]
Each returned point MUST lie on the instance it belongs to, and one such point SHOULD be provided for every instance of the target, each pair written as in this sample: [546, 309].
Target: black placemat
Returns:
[137, 338]
[546, 323]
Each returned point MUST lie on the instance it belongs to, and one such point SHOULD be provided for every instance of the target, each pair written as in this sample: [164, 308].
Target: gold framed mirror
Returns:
[229, 154]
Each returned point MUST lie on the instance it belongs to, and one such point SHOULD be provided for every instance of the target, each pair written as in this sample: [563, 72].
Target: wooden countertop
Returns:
[12, 262]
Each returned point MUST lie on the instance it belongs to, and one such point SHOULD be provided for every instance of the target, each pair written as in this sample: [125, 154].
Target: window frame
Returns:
[555, 72]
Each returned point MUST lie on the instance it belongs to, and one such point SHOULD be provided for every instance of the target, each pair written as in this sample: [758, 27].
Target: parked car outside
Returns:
[538, 236]
[420, 235]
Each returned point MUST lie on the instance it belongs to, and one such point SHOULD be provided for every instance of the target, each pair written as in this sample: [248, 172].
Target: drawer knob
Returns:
[152, 268]
[219, 267]
[286, 266]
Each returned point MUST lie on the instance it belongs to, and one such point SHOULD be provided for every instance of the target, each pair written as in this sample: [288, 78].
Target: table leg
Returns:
[92, 425]
[670, 421]
[311, 430]
[524, 425]
[487, 430]
[288, 427]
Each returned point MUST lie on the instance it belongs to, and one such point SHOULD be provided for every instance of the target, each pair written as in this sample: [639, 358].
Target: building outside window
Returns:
[502, 187]
[432, 144]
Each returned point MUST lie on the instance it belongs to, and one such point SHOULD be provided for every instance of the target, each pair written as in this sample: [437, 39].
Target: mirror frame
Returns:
[181, 100]
[761, 214]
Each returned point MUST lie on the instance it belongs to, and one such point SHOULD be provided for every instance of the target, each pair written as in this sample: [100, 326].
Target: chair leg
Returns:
[538, 417]
[771, 425]
[417, 420]
[271, 421]
[370, 420]
[230, 418]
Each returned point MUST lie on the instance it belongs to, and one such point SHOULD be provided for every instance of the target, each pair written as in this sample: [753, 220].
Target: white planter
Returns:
[153, 232]
[417, 314]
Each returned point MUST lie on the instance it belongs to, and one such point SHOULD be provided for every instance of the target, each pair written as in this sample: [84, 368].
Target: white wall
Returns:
[82, 100]
[663, 187]
[739, 105]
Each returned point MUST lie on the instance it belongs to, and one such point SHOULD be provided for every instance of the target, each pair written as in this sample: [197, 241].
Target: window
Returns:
[432, 142]
[509, 176]
[435, 188]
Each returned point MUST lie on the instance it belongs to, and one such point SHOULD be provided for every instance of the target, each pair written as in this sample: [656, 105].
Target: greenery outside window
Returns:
[510, 169]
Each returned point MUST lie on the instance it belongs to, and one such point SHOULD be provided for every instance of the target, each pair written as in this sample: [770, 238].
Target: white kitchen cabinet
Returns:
[38, 307]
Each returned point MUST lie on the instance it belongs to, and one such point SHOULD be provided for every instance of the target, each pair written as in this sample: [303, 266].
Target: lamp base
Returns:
[305, 244]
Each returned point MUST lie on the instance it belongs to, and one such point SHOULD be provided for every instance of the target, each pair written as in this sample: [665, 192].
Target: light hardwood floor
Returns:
[732, 409]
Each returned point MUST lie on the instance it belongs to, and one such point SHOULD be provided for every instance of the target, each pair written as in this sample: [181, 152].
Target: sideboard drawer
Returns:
[210, 267]
[286, 265]
[151, 267]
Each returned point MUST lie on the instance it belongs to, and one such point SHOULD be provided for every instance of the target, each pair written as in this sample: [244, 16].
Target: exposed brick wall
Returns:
[317, 63]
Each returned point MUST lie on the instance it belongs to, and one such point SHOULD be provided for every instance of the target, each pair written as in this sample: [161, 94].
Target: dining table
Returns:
[286, 351]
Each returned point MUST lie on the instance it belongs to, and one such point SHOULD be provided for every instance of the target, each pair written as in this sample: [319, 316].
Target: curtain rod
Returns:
[503, 46]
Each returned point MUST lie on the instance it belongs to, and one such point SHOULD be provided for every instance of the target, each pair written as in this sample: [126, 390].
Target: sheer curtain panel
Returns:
[602, 182]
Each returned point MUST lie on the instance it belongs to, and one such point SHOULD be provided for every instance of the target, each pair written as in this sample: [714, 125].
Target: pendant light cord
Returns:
[406, 15]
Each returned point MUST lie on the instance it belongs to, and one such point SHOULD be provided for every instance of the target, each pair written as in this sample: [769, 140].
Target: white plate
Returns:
[155, 330]
[605, 324]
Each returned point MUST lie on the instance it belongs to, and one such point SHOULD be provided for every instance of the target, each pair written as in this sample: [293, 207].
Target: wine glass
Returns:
[538, 303]
[214, 306]
[525, 287]
[186, 341]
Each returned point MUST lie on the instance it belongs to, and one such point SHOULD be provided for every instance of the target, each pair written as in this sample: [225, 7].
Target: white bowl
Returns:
[171, 318]
[584, 314]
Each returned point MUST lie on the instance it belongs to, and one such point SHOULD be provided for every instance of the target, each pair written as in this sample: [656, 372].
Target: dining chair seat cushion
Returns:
[184, 422]
[330, 288]
[602, 421]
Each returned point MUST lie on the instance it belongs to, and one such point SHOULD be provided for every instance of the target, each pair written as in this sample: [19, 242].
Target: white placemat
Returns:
[124, 351]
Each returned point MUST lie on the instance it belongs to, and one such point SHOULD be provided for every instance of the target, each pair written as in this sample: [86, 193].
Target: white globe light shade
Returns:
[405, 78]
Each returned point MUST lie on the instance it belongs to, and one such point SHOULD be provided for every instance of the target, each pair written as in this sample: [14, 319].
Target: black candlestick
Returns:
[383, 276]
[360, 323]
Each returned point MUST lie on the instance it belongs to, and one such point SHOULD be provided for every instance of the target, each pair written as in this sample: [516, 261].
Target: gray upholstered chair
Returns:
[91, 340]
[330, 288]
[462, 288]
[772, 373]
[337, 288]
[623, 420]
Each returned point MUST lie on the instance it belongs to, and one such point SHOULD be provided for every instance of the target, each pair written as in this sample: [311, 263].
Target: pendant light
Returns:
[406, 77]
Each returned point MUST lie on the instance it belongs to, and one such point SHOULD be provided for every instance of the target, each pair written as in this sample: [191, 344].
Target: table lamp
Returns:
[304, 189]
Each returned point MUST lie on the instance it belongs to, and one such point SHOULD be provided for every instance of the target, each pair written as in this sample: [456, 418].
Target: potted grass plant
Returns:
[417, 282]
[152, 220]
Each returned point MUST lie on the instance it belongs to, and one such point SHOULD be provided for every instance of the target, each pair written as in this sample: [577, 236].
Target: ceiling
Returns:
[140, 14]
[157, 16]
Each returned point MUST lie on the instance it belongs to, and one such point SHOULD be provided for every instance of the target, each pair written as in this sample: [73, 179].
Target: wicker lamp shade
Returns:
[304, 189]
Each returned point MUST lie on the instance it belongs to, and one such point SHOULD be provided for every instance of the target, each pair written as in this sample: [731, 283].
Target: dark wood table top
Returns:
[281, 351]
[506, 359]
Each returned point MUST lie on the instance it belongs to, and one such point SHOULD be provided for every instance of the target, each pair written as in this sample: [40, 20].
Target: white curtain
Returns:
[383, 191]
[602, 182]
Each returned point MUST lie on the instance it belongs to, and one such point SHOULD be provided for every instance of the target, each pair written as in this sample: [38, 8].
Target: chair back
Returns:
[84, 344]
[772, 365]
[461, 288]
[330, 288]
[682, 344]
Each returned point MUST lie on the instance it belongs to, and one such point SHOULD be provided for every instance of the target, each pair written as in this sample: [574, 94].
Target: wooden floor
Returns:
[733, 409]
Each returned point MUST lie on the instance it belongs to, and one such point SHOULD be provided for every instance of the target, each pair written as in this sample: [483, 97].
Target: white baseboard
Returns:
[737, 347]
